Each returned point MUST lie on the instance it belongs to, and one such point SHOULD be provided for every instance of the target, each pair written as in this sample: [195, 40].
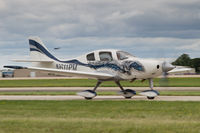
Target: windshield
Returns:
[121, 55]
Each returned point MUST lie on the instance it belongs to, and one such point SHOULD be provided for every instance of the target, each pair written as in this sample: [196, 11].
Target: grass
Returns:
[99, 117]
[172, 82]
[162, 93]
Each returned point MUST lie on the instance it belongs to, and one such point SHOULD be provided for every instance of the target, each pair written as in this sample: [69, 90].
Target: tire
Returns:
[128, 97]
[150, 98]
[88, 98]
[129, 91]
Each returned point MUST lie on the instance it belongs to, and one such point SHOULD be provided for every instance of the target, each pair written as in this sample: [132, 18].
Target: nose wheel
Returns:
[87, 94]
[150, 94]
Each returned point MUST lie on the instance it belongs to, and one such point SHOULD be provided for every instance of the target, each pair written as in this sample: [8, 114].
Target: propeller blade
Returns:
[166, 67]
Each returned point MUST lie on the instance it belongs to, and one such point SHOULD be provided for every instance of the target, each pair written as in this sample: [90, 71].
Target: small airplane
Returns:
[103, 65]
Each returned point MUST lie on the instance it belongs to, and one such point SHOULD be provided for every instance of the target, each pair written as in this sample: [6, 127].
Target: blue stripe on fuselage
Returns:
[43, 50]
[33, 49]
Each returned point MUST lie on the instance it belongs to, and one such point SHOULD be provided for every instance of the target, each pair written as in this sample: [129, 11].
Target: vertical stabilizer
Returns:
[38, 50]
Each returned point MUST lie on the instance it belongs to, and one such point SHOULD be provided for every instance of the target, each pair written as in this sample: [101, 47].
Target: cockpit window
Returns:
[121, 55]
[105, 56]
[90, 57]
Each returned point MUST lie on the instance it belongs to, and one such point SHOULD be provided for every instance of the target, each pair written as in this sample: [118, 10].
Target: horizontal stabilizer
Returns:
[25, 60]
[15, 67]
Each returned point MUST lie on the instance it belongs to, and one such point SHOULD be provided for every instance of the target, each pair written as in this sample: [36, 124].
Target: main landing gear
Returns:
[151, 94]
[89, 94]
[127, 93]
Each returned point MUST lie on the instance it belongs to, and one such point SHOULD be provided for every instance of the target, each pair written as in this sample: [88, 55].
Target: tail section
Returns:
[39, 52]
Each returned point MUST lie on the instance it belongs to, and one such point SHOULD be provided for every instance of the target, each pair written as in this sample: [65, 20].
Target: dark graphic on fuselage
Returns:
[124, 67]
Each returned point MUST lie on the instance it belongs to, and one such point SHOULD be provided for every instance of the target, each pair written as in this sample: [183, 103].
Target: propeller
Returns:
[166, 67]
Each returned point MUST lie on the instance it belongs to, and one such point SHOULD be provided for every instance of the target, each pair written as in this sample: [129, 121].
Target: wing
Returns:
[95, 75]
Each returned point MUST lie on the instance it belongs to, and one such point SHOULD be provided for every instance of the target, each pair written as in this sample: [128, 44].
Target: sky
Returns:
[145, 28]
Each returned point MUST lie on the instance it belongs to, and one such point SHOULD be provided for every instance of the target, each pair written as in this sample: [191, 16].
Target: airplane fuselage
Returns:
[126, 68]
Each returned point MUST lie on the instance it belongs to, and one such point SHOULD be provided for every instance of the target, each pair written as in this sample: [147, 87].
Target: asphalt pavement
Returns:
[74, 97]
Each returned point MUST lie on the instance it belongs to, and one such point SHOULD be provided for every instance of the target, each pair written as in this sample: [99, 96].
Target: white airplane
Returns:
[103, 65]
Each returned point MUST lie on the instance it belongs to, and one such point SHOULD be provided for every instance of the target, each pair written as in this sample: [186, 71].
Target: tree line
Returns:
[185, 60]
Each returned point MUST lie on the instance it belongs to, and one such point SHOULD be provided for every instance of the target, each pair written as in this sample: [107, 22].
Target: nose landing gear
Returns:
[151, 94]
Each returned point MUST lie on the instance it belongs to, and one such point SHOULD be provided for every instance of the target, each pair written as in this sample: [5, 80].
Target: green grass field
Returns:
[82, 116]
[99, 117]
[173, 82]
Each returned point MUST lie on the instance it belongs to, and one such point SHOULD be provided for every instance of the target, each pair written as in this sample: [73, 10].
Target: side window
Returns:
[105, 56]
[90, 57]
[121, 55]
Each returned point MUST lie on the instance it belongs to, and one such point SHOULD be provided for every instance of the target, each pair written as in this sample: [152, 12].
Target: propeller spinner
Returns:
[166, 67]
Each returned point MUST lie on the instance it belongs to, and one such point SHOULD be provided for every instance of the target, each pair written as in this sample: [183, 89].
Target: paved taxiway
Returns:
[26, 89]
[73, 97]
[76, 89]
